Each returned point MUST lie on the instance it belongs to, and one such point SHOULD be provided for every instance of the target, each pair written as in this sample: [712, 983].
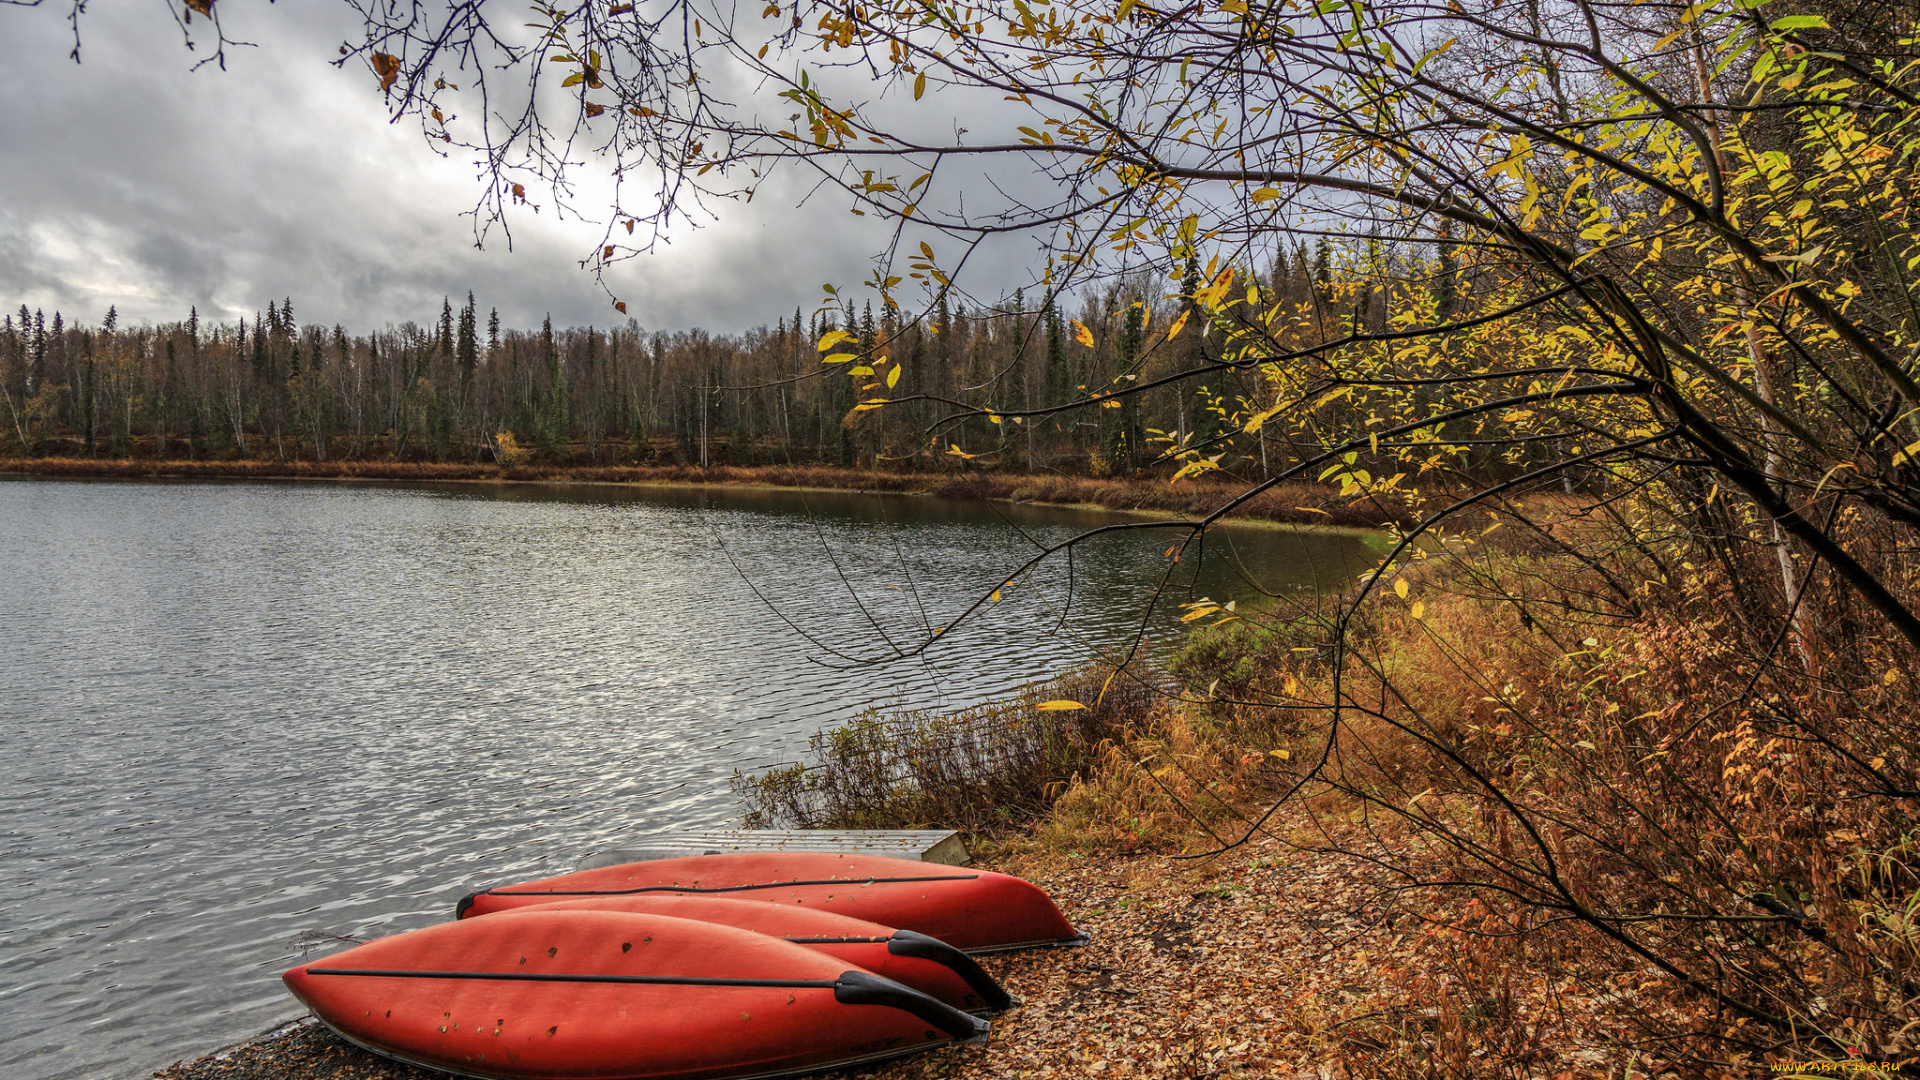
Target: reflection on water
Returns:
[237, 713]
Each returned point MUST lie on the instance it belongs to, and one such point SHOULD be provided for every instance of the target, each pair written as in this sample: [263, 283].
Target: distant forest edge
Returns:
[464, 390]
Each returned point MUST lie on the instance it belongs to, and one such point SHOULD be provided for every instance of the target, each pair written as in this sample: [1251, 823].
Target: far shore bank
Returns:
[1292, 504]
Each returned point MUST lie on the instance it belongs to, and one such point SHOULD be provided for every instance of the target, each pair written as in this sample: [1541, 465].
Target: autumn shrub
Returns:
[1180, 780]
[984, 769]
[1639, 786]
[1632, 821]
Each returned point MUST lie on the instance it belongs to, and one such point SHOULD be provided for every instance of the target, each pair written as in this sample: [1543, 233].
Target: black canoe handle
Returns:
[866, 988]
[920, 946]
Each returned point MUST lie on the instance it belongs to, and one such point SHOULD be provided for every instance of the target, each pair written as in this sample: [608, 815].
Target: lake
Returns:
[242, 717]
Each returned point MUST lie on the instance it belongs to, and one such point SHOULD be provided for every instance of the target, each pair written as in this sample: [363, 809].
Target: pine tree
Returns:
[1123, 431]
[493, 331]
[468, 347]
[446, 326]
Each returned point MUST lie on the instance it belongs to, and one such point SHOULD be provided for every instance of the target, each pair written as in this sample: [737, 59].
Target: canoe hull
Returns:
[911, 959]
[972, 910]
[572, 995]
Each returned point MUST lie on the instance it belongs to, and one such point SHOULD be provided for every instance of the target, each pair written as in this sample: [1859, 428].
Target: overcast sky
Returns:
[128, 180]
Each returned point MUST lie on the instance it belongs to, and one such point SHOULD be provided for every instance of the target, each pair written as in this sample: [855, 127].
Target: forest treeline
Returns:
[462, 388]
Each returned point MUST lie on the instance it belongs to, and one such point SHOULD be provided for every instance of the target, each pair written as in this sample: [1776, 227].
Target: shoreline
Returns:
[1305, 505]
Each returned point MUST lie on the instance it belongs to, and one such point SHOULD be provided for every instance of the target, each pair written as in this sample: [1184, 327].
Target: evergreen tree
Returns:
[1123, 433]
[468, 347]
[446, 327]
[1059, 379]
[493, 331]
[37, 369]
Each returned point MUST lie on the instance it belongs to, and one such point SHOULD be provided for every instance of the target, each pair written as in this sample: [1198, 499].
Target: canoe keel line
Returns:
[851, 988]
[924, 963]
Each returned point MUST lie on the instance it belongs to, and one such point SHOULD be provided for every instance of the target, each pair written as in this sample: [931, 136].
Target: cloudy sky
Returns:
[129, 180]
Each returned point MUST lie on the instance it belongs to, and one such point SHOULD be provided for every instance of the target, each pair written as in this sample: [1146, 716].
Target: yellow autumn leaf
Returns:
[1179, 324]
[832, 338]
[1062, 705]
[1081, 334]
[1419, 610]
[893, 376]
[1400, 589]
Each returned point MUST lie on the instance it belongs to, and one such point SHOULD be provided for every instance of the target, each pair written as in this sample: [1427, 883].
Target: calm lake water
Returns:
[237, 716]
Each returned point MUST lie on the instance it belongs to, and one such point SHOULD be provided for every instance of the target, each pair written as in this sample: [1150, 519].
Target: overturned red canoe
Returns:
[974, 910]
[924, 963]
[555, 995]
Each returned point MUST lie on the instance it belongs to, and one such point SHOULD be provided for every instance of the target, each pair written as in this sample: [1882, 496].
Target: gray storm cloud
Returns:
[129, 180]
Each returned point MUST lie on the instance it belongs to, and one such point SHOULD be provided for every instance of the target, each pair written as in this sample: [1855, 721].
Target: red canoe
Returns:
[973, 910]
[556, 995]
[926, 964]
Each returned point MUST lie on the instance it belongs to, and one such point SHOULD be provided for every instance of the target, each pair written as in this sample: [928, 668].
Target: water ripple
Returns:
[240, 715]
